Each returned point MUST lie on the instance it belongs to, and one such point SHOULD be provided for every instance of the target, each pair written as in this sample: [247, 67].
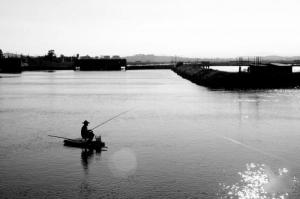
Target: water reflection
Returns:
[251, 101]
[259, 181]
[87, 157]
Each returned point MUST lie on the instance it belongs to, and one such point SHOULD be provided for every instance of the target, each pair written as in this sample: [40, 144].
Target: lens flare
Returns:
[123, 163]
[258, 181]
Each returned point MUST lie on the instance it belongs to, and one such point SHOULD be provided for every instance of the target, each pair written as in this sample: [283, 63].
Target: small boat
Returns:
[81, 143]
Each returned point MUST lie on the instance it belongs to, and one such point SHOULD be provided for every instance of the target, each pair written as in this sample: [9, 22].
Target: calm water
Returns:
[179, 140]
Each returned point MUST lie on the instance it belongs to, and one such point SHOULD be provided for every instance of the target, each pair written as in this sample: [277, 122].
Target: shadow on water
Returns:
[87, 156]
[8, 76]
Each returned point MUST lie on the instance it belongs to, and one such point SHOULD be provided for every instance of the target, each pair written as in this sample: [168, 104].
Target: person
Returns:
[85, 133]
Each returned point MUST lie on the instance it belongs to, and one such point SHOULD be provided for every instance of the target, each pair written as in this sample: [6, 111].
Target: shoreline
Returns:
[216, 79]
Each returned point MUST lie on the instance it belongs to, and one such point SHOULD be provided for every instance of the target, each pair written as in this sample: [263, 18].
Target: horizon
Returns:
[195, 29]
[174, 56]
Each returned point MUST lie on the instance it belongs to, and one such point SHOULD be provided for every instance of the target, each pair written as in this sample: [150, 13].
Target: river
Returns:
[179, 140]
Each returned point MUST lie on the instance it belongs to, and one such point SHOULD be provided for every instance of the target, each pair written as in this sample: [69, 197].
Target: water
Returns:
[179, 140]
[243, 68]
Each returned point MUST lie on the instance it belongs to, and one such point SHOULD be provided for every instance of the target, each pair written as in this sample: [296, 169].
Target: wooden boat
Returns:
[81, 143]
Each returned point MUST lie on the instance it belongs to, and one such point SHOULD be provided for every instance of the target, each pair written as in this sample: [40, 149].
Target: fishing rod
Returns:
[95, 126]
[111, 119]
[60, 137]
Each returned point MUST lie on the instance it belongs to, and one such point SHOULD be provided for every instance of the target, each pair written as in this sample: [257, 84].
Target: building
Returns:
[100, 64]
[85, 57]
[105, 57]
[11, 65]
[116, 57]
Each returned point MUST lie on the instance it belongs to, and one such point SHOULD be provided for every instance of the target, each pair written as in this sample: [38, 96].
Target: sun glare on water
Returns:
[258, 181]
[123, 163]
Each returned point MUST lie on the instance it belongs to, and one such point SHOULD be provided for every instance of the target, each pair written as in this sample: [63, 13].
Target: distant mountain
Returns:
[280, 58]
[150, 58]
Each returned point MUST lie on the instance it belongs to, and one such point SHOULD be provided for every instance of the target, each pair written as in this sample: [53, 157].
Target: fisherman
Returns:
[85, 133]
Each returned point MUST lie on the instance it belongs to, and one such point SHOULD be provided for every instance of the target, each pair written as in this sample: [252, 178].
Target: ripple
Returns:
[259, 181]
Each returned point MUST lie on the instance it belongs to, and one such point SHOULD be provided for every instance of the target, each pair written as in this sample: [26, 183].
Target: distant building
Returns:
[85, 57]
[105, 57]
[100, 64]
[116, 57]
[11, 65]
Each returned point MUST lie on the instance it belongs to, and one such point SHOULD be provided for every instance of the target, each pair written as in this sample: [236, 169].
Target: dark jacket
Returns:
[84, 132]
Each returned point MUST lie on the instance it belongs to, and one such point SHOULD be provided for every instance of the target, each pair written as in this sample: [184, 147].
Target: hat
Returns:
[85, 122]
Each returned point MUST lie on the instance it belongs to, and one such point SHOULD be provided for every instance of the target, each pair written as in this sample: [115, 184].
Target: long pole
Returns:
[95, 126]
[111, 119]
[60, 137]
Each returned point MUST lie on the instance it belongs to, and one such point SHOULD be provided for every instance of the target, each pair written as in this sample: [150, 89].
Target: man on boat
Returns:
[85, 133]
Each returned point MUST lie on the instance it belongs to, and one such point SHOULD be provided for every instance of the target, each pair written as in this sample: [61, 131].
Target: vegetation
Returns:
[1, 54]
[49, 62]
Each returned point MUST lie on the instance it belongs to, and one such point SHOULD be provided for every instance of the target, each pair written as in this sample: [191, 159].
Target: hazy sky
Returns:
[195, 28]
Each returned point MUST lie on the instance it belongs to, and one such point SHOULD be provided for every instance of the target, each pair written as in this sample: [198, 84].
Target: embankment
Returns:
[148, 66]
[236, 80]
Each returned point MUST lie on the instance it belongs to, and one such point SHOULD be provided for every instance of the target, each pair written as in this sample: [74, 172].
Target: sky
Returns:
[191, 28]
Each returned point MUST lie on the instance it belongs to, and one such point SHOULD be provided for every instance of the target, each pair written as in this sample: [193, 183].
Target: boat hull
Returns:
[80, 143]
